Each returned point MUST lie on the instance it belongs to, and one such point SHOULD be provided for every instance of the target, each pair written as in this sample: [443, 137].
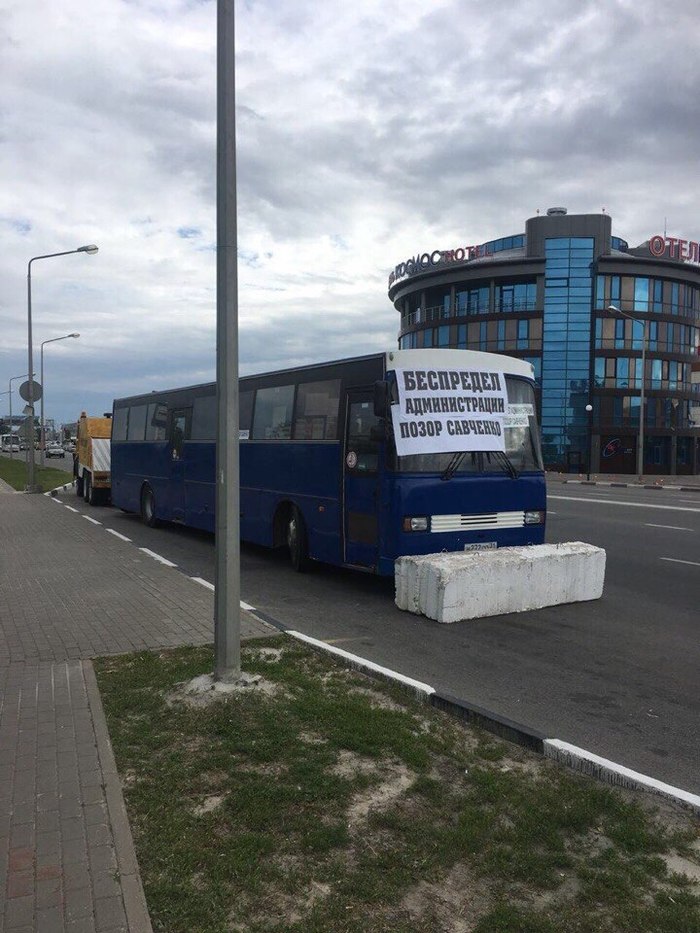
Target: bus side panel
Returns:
[200, 492]
[307, 475]
[134, 463]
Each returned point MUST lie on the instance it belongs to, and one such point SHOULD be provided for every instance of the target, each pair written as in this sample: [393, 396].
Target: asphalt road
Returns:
[618, 676]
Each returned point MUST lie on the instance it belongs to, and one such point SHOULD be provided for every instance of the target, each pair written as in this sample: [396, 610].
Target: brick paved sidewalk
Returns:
[69, 592]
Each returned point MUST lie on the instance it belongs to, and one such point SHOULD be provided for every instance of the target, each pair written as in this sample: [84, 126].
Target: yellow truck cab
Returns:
[91, 460]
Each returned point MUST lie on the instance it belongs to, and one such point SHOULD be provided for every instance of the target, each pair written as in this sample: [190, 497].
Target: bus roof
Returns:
[390, 359]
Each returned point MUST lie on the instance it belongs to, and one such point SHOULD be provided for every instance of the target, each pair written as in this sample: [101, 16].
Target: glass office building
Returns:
[585, 310]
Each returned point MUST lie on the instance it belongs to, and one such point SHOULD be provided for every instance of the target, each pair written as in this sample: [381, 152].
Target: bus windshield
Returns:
[522, 452]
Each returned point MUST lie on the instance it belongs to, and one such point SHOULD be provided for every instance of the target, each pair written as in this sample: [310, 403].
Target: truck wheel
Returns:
[87, 486]
[148, 507]
[297, 542]
[94, 496]
[79, 486]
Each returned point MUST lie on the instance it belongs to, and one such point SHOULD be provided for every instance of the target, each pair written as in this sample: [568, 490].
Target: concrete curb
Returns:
[578, 759]
[129, 877]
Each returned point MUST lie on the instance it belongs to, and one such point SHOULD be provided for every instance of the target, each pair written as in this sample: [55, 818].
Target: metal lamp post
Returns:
[589, 417]
[13, 379]
[91, 249]
[640, 439]
[43, 391]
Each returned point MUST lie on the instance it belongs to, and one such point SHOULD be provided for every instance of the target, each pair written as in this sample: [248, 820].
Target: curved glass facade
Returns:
[545, 297]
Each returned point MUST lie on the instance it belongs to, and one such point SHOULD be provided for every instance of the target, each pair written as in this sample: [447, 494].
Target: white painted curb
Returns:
[611, 773]
[364, 664]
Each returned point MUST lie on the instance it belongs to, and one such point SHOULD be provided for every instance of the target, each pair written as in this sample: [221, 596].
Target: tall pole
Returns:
[640, 449]
[31, 487]
[42, 436]
[43, 393]
[227, 600]
[91, 249]
[13, 379]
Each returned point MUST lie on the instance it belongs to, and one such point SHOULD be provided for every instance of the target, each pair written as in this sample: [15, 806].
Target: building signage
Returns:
[423, 261]
[449, 411]
[672, 247]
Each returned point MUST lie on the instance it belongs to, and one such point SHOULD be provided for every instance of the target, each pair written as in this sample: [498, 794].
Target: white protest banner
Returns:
[449, 411]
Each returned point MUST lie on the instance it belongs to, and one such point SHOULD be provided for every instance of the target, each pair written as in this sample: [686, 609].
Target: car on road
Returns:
[54, 450]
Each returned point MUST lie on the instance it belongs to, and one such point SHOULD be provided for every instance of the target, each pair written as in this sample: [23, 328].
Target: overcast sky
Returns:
[366, 131]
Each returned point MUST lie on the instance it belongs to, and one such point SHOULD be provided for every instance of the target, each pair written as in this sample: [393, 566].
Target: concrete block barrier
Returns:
[456, 587]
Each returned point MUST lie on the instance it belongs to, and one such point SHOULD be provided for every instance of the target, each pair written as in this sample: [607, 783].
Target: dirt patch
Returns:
[456, 903]
[396, 779]
[349, 765]
[677, 864]
[204, 690]
[209, 804]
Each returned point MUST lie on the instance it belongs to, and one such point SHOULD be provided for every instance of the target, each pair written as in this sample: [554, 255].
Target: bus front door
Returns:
[179, 433]
[361, 482]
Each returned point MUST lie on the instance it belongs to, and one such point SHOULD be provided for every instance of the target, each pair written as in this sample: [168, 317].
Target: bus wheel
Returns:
[148, 507]
[296, 541]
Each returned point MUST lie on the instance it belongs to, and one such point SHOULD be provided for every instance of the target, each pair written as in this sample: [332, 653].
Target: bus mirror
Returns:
[381, 399]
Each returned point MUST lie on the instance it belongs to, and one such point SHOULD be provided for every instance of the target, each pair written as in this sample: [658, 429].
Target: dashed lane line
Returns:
[675, 560]
[161, 560]
[210, 586]
[93, 520]
[631, 505]
[118, 535]
[670, 527]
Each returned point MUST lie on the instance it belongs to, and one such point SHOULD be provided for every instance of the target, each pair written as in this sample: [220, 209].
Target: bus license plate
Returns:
[481, 546]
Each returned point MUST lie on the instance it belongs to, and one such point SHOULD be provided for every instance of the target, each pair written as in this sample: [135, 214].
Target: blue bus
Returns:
[319, 468]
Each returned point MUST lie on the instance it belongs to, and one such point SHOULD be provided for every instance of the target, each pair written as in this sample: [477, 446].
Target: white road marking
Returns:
[117, 534]
[670, 527]
[674, 560]
[161, 560]
[632, 505]
[550, 512]
[71, 509]
[210, 586]
[93, 520]
[53, 498]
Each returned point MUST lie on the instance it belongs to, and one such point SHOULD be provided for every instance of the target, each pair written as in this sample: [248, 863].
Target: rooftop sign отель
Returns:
[671, 247]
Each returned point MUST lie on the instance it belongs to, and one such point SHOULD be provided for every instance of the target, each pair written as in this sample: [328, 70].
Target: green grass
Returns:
[463, 827]
[14, 472]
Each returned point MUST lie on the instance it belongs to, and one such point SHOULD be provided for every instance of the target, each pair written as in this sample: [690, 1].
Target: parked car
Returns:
[54, 450]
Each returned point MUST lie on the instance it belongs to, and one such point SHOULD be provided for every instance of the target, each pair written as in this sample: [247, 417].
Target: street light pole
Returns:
[589, 414]
[91, 249]
[640, 437]
[43, 391]
[13, 379]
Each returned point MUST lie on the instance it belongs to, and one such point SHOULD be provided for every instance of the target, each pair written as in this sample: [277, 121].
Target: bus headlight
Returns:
[534, 518]
[416, 523]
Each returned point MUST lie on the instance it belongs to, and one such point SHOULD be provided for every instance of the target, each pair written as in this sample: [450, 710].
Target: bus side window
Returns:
[361, 438]
[178, 433]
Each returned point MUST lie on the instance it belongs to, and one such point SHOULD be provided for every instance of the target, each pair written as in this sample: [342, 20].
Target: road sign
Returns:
[24, 391]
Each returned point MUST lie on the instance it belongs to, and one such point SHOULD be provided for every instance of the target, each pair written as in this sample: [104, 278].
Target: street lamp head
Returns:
[614, 308]
[589, 408]
[90, 248]
[73, 335]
